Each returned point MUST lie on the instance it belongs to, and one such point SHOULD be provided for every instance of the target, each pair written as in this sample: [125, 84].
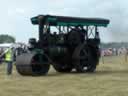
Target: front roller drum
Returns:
[33, 64]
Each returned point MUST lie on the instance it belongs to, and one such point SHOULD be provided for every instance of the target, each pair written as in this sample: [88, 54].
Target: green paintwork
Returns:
[53, 21]
[39, 51]
[83, 24]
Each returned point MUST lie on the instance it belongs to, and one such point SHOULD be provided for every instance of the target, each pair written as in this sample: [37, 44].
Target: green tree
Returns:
[7, 39]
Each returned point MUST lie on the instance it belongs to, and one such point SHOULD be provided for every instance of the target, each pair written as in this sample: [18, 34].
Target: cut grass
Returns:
[110, 79]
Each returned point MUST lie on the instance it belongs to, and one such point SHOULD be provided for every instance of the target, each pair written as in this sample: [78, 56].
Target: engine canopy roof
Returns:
[70, 21]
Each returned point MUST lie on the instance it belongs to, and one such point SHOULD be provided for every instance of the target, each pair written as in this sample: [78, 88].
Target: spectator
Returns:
[9, 60]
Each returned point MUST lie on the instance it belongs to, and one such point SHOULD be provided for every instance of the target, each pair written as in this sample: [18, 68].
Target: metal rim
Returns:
[84, 59]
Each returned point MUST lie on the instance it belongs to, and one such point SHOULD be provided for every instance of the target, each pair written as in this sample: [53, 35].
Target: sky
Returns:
[15, 16]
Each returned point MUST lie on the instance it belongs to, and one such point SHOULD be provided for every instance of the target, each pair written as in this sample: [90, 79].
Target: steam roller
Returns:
[64, 42]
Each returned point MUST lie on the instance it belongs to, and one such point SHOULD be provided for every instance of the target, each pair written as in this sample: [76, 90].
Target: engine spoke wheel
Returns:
[84, 59]
[62, 68]
[63, 64]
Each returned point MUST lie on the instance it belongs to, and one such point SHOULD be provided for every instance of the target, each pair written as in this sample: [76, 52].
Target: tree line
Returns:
[7, 39]
[114, 45]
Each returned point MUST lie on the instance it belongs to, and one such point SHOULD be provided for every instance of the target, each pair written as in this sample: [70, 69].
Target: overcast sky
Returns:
[15, 16]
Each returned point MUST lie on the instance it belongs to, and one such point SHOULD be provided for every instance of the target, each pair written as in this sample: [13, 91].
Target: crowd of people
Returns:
[114, 51]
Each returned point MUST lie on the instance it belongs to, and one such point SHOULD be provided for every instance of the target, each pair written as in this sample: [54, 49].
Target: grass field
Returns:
[110, 79]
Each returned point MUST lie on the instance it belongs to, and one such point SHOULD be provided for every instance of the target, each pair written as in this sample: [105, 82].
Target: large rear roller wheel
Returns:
[84, 59]
[32, 64]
